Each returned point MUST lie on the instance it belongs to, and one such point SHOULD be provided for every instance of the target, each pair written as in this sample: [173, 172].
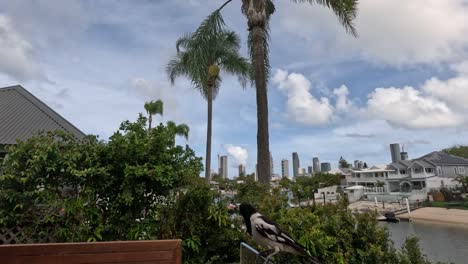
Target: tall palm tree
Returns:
[200, 57]
[258, 13]
[153, 108]
[179, 130]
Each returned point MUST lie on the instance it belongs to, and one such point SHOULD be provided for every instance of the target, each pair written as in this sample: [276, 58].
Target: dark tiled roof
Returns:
[442, 158]
[423, 163]
[22, 115]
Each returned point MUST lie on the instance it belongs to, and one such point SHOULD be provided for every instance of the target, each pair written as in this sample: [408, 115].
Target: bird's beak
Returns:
[232, 208]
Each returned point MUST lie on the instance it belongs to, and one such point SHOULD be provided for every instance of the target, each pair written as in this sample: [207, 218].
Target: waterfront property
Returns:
[371, 177]
[432, 171]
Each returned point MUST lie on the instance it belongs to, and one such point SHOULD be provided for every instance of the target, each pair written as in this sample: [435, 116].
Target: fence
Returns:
[17, 235]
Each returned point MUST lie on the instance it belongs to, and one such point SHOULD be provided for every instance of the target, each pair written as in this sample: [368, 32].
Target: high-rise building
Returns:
[325, 166]
[256, 173]
[223, 167]
[241, 170]
[395, 151]
[316, 164]
[310, 170]
[285, 168]
[302, 172]
[271, 166]
[295, 160]
[403, 154]
[358, 164]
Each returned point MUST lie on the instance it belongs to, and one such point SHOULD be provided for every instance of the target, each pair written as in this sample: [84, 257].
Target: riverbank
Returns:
[439, 215]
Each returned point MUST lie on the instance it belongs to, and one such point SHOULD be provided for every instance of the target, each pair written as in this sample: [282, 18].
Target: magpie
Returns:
[267, 233]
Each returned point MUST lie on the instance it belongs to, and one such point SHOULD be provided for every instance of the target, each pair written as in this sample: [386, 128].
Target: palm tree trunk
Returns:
[208, 135]
[150, 120]
[263, 147]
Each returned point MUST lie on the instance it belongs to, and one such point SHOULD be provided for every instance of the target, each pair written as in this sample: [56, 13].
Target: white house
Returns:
[432, 171]
[369, 177]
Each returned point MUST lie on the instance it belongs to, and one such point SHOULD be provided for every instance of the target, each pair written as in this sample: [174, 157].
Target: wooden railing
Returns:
[135, 252]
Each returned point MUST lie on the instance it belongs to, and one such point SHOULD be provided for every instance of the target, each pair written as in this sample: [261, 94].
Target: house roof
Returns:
[399, 165]
[442, 158]
[422, 163]
[23, 115]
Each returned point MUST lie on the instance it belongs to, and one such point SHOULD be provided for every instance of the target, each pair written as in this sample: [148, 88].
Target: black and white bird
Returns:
[268, 234]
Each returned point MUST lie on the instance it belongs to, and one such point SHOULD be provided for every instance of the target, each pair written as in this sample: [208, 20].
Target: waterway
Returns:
[439, 242]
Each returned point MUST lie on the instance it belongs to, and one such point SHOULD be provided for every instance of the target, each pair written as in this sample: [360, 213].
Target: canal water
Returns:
[439, 242]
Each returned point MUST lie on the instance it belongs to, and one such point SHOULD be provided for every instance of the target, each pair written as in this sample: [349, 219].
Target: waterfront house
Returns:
[374, 177]
[22, 115]
[432, 171]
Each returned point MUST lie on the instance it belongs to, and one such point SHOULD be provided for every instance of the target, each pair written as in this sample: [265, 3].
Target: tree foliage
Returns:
[153, 108]
[140, 186]
[135, 186]
[461, 151]
[342, 163]
[201, 55]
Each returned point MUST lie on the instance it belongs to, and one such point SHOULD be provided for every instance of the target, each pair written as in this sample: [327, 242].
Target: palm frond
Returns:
[236, 65]
[209, 45]
[183, 130]
[154, 107]
[179, 130]
[345, 10]
[184, 41]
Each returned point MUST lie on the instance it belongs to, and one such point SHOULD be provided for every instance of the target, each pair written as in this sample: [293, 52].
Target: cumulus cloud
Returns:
[238, 153]
[409, 108]
[302, 106]
[16, 53]
[453, 91]
[342, 102]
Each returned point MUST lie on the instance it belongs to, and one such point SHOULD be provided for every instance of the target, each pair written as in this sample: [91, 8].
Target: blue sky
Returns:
[405, 79]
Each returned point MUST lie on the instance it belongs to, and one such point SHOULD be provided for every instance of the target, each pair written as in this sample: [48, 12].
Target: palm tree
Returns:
[179, 130]
[258, 13]
[152, 108]
[200, 57]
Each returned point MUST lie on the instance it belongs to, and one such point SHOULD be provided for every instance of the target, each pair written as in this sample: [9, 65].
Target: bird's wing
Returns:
[271, 230]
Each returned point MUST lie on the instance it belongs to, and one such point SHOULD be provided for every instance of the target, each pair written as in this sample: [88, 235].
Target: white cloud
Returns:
[410, 108]
[148, 90]
[302, 106]
[239, 154]
[409, 32]
[453, 91]
[397, 33]
[16, 53]
[342, 102]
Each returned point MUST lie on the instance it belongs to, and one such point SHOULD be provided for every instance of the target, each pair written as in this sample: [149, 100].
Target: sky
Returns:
[403, 80]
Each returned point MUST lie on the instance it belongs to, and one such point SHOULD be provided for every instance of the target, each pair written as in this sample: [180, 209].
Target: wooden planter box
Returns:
[135, 252]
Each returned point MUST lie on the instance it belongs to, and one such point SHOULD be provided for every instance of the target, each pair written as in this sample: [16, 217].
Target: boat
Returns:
[388, 217]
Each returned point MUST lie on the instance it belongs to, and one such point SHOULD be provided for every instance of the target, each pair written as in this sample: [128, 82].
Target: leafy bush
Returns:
[141, 185]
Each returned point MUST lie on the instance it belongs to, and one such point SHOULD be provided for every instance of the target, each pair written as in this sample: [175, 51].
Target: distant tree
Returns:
[461, 151]
[343, 163]
[463, 180]
[179, 130]
[153, 108]
[365, 165]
